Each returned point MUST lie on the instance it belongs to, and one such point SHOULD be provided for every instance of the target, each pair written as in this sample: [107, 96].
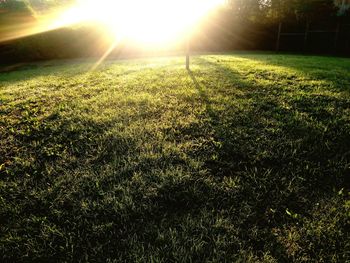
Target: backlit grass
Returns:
[245, 158]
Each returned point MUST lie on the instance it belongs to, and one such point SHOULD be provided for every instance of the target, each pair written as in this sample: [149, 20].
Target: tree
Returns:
[31, 5]
[343, 6]
[246, 9]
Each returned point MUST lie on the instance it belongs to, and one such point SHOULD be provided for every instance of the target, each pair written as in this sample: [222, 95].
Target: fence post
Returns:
[279, 37]
[188, 53]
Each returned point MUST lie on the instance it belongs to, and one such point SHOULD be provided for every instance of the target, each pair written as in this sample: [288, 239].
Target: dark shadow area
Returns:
[205, 98]
[281, 161]
[267, 111]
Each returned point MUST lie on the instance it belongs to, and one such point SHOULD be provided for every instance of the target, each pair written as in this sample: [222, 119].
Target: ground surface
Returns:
[246, 158]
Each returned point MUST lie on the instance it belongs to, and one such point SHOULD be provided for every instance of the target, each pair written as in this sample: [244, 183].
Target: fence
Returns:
[335, 38]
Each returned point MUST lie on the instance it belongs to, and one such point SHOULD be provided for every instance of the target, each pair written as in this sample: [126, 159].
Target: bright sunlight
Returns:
[147, 22]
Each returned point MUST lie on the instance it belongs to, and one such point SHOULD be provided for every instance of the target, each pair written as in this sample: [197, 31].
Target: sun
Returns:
[147, 22]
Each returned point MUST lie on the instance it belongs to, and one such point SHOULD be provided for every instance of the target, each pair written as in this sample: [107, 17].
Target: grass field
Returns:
[246, 158]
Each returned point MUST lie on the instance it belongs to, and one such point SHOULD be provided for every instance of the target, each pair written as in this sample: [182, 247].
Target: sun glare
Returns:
[150, 24]
[147, 22]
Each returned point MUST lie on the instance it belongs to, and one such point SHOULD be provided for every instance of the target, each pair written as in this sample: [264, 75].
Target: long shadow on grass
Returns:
[279, 160]
[205, 98]
[307, 126]
[229, 164]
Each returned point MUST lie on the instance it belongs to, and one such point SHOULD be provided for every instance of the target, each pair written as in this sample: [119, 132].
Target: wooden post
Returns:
[306, 35]
[279, 37]
[188, 52]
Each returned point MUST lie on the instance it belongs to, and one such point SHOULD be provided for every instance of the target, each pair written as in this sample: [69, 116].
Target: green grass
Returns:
[244, 159]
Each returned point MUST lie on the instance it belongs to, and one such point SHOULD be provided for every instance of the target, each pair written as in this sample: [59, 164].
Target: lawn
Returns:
[245, 158]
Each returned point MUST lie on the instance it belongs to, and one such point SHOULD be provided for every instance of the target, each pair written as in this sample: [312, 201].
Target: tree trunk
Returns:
[188, 53]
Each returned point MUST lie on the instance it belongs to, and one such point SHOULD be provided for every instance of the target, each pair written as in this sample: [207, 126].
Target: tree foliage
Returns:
[40, 5]
[254, 10]
[270, 10]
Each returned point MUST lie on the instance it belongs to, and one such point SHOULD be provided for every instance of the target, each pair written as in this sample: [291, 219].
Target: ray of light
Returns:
[29, 20]
[105, 55]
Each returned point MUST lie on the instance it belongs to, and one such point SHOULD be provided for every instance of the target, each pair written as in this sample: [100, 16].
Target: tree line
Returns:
[272, 10]
[255, 10]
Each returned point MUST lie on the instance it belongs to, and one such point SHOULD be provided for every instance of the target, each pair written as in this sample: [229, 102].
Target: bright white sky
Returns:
[150, 21]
